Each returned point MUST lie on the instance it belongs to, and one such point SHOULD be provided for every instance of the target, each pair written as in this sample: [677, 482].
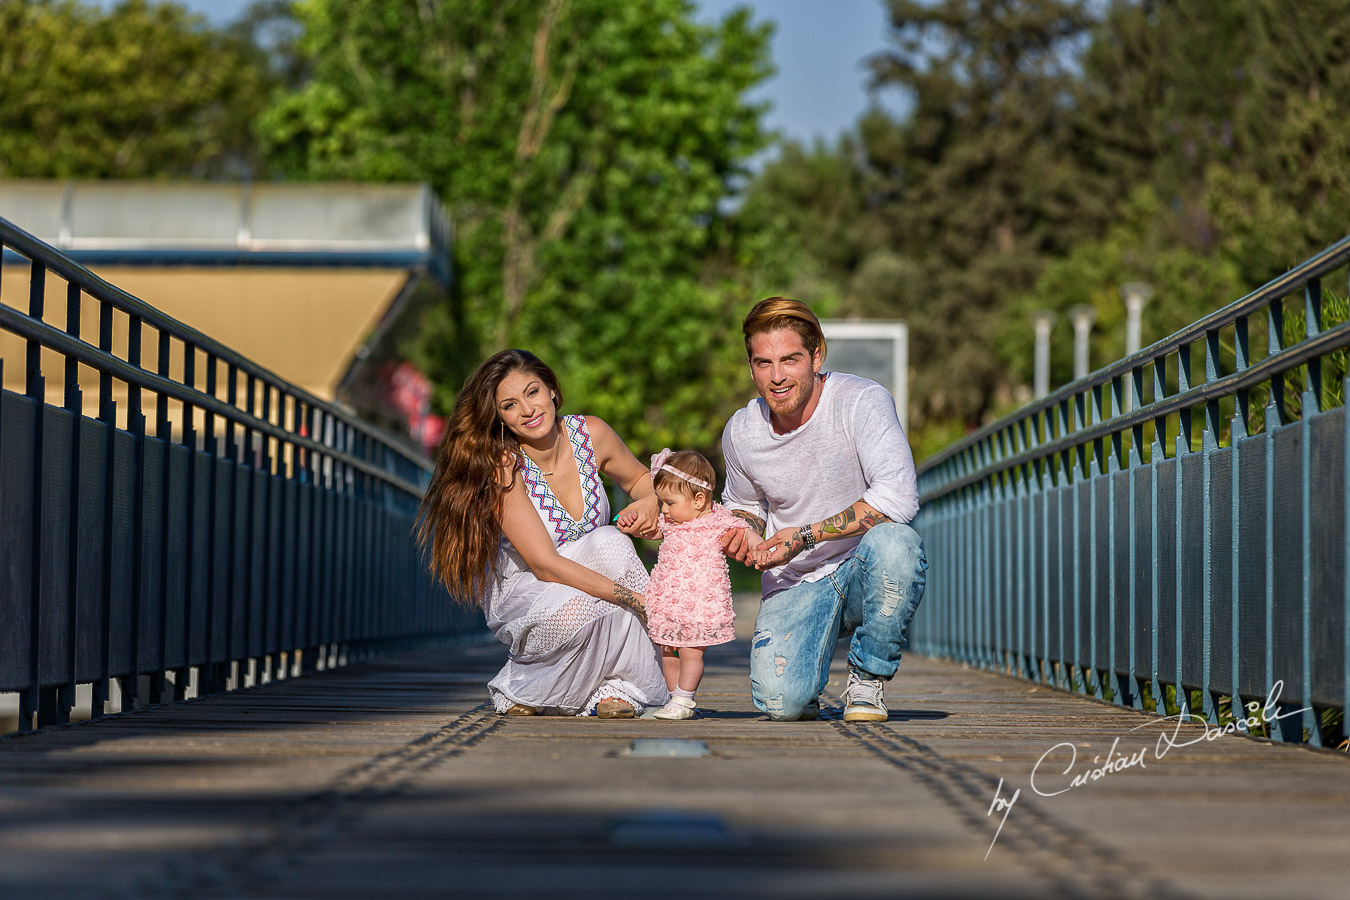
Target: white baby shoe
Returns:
[677, 708]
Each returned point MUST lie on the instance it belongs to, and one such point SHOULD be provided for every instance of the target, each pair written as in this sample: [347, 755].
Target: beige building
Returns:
[307, 280]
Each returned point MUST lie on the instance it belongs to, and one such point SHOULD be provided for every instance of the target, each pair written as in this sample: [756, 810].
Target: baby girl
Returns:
[689, 595]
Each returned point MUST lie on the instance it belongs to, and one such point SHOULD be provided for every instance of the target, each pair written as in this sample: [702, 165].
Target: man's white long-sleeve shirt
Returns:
[851, 448]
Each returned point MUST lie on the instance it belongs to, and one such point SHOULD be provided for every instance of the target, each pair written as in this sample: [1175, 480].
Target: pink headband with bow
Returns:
[659, 465]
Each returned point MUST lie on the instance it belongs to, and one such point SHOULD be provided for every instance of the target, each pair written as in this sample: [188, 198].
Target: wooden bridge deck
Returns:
[392, 778]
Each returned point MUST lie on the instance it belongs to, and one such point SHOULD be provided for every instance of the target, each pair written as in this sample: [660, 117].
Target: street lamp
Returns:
[1042, 320]
[1082, 316]
[1136, 294]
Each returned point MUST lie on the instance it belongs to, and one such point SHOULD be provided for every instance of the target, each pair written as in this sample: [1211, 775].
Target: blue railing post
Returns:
[1020, 571]
[32, 701]
[1157, 455]
[1045, 481]
[1236, 436]
[73, 407]
[131, 683]
[1119, 691]
[1183, 450]
[1065, 492]
[1311, 402]
[1209, 446]
[1133, 462]
[107, 417]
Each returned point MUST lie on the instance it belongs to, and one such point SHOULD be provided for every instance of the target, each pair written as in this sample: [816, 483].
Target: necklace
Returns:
[557, 454]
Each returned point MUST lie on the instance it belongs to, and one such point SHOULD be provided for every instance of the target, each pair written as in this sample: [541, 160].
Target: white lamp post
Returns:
[1136, 294]
[1082, 316]
[1042, 320]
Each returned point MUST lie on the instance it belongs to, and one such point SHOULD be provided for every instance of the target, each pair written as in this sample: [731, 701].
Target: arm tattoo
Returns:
[853, 521]
[628, 600]
[753, 520]
[871, 519]
[837, 523]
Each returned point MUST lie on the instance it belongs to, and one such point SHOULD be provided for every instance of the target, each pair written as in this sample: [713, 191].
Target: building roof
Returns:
[194, 223]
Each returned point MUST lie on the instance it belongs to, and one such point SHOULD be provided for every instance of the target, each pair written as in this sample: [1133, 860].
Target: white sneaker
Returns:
[677, 708]
[863, 701]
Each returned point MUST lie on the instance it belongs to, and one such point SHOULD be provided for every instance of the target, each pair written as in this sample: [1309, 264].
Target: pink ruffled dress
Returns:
[689, 594]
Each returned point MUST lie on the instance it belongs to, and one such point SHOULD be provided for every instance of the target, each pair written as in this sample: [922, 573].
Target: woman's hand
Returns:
[641, 518]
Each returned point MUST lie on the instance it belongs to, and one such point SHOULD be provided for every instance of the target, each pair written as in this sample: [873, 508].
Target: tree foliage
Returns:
[1246, 160]
[584, 149]
[1055, 149]
[142, 90]
[937, 217]
[1052, 150]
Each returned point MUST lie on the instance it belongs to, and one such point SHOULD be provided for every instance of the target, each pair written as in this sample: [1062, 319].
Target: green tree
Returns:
[1145, 244]
[1232, 139]
[585, 150]
[984, 181]
[1239, 153]
[142, 90]
[815, 199]
[1056, 150]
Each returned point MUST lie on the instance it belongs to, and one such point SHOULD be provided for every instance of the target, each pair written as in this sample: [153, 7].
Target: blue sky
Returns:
[819, 48]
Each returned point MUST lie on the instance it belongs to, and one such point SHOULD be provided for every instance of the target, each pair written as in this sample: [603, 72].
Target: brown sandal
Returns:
[614, 708]
[520, 709]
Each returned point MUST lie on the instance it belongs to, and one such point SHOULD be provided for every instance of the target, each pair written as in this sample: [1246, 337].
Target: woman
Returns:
[516, 515]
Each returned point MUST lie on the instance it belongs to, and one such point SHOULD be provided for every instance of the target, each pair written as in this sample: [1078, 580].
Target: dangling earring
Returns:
[503, 424]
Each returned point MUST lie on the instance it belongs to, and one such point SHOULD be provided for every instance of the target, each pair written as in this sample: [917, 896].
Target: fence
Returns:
[211, 526]
[1151, 526]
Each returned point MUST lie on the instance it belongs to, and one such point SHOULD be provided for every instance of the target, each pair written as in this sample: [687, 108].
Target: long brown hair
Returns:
[460, 520]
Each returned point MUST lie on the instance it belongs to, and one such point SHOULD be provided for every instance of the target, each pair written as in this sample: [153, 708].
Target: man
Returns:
[820, 464]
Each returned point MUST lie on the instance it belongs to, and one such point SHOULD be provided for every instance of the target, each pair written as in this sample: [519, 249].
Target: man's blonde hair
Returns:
[773, 313]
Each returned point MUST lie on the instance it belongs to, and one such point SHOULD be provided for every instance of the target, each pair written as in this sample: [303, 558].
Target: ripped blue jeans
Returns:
[872, 596]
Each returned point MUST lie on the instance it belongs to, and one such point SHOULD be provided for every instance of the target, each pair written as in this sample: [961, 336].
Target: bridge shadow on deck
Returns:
[335, 785]
[391, 777]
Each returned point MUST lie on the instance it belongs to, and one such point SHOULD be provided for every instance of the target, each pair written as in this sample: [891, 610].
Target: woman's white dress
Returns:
[569, 650]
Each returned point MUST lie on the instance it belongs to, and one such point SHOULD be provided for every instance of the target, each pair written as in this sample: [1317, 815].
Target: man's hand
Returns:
[740, 544]
[778, 548]
[640, 518]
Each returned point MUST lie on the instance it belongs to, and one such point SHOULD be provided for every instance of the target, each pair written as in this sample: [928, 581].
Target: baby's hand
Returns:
[640, 518]
[778, 548]
[740, 544]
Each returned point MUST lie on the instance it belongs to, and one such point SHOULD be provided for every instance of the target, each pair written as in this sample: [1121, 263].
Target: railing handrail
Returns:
[54, 338]
[1328, 260]
[54, 260]
[1297, 354]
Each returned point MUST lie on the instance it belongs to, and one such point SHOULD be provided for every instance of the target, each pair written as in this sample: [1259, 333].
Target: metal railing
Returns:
[212, 526]
[1174, 524]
